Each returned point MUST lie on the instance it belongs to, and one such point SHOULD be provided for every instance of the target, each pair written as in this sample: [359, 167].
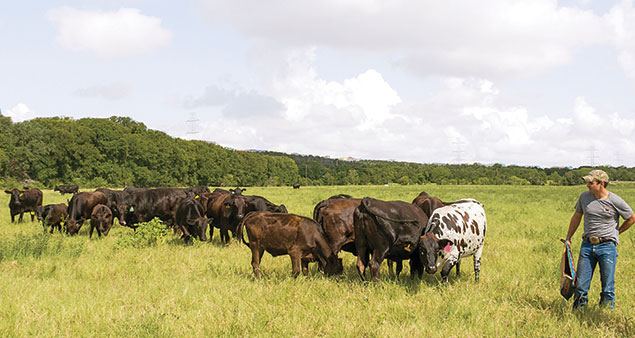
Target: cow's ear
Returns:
[445, 245]
[7, 191]
[231, 190]
[427, 207]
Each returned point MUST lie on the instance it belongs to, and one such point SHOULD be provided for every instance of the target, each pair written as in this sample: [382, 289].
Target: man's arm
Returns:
[627, 224]
[573, 225]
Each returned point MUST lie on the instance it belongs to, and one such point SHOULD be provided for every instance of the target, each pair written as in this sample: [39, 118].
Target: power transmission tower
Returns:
[592, 155]
[192, 124]
[458, 151]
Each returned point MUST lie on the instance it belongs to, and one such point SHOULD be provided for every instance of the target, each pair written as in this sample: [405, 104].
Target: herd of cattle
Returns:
[428, 232]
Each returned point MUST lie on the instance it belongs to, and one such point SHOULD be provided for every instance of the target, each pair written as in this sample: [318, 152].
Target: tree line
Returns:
[118, 152]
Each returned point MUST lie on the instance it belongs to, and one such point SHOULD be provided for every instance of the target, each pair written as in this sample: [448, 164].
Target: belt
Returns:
[597, 240]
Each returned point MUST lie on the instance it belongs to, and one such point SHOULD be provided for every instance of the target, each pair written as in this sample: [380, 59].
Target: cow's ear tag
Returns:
[62, 223]
[32, 213]
[227, 206]
[196, 196]
[21, 195]
[131, 208]
[407, 248]
[447, 247]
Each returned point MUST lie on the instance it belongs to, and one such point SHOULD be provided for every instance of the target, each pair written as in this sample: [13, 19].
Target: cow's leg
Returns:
[305, 267]
[32, 216]
[20, 219]
[211, 231]
[12, 218]
[477, 263]
[391, 270]
[295, 262]
[449, 264]
[362, 261]
[399, 268]
[90, 234]
[256, 253]
[458, 268]
[375, 263]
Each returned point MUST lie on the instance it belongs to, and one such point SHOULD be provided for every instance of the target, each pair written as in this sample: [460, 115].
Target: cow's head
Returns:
[72, 227]
[119, 212]
[16, 195]
[333, 266]
[39, 213]
[429, 249]
[199, 228]
[280, 208]
[103, 219]
[234, 208]
[237, 191]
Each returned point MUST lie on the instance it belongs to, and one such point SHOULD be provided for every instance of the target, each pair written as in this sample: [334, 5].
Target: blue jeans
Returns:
[590, 255]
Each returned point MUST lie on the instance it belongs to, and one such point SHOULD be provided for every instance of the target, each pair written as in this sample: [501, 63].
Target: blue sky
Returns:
[540, 82]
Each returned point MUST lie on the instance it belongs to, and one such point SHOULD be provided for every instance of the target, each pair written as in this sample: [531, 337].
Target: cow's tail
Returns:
[239, 230]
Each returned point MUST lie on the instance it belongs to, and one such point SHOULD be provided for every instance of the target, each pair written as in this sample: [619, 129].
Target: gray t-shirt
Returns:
[601, 217]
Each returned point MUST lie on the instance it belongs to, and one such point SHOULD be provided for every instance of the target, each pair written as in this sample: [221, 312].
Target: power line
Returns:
[192, 124]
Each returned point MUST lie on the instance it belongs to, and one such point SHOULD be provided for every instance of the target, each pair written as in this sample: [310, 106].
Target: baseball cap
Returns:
[598, 175]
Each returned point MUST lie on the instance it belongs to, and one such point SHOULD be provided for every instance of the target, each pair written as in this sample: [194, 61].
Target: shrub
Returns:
[146, 234]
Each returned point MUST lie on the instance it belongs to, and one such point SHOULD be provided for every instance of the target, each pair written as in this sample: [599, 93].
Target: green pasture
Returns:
[53, 285]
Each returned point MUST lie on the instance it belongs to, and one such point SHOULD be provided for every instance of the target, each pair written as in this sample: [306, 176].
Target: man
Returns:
[602, 210]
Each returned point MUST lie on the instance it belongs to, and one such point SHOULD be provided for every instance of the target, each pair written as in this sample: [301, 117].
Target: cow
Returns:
[118, 202]
[428, 203]
[67, 188]
[146, 204]
[287, 234]
[259, 203]
[100, 219]
[387, 229]
[198, 190]
[237, 191]
[80, 208]
[52, 215]
[22, 201]
[191, 219]
[296, 186]
[335, 215]
[454, 231]
[226, 211]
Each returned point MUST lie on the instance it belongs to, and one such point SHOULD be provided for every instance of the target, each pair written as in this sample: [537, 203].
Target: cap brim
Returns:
[588, 178]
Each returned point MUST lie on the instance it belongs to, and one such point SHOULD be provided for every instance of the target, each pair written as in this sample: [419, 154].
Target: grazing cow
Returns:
[259, 203]
[198, 190]
[286, 234]
[146, 204]
[80, 208]
[296, 186]
[22, 201]
[226, 211]
[191, 219]
[67, 189]
[118, 202]
[335, 215]
[454, 232]
[100, 219]
[387, 230]
[52, 215]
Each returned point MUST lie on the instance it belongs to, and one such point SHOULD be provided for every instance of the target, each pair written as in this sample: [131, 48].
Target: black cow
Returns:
[237, 191]
[80, 208]
[24, 201]
[226, 210]
[118, 202]
[198, 190]
[387, 230]
[146, 204]
[286, 234]
[335, 215]
[191, 219]
[259, 203]
[52, 215]
[100, 219]
[67, 188]
[296, 186]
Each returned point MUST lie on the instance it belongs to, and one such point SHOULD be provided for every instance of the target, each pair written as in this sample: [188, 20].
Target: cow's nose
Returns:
[431, 269]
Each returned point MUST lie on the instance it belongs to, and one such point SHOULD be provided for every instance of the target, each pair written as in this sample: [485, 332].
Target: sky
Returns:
[531, 82]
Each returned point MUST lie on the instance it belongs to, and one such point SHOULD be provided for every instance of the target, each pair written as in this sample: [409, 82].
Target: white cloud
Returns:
[121, 33]
[19, 113]
[488, 39]
[113, 91]
[621, 18]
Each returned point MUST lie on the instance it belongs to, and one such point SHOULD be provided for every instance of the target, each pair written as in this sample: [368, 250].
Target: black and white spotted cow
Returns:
[453, 232]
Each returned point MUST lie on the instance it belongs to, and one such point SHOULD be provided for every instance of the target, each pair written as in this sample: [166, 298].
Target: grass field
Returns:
[53, 285]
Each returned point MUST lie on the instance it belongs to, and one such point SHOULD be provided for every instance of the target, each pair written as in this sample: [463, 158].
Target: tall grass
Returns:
[53, 285]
